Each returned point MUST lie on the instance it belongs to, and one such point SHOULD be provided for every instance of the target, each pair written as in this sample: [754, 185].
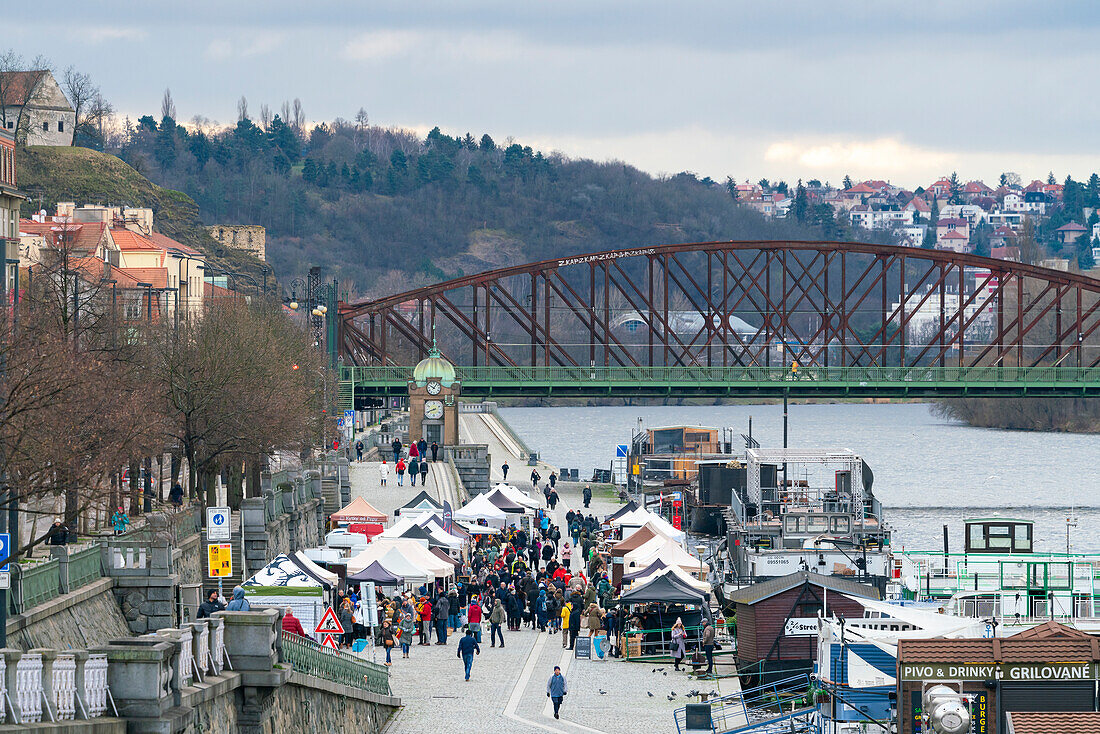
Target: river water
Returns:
[928, 471]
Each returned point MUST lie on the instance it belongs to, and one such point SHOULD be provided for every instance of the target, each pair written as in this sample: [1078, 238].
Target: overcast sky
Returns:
[904, 91]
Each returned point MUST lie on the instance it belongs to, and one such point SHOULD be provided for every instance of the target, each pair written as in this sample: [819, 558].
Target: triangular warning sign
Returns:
[329, 624]
[329, 642]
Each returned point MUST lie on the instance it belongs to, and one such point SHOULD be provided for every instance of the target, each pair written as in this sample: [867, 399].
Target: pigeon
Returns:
[664, 674]
[653, 671]
[713, 693]
[674, 694]
[669, 697]
[603, 692]
[649, 694]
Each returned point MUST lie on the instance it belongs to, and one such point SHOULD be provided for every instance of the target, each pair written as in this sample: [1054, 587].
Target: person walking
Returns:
[239, 603]
[473, 618]
[574, 620]
[496, 618]
[424, 473]
[58, 533]
[359, 450]
[566, 554]
[557, 688]
[399, 467]
[175, 495]
[383, 472]
[414, 466]
[387, 639]
[467, 648]
[535, 477]
[679, 643]
[441, 611]
[587, 494]
[120, 520]
[435, 451]
[552, 498]
[396, 446]
[425, 621]
[566, 613]
[407, 627]
[422, 449]
[553, 479]
[414, 450]
[211, 605]
[347, 620]
[706, 641]
[504, 470]
[292, 624]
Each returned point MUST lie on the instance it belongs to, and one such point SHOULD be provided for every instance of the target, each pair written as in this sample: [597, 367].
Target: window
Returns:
[11, 124]
[818, 524]
[60, 126]
[842, 524]
[794, 524]
[998, 536]
[45, 127]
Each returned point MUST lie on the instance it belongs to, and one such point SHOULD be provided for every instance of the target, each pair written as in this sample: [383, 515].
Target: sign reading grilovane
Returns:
[605, 256]
[1000, 671]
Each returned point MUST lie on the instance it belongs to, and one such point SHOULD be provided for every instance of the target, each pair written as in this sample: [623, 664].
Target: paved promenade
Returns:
[507, 690]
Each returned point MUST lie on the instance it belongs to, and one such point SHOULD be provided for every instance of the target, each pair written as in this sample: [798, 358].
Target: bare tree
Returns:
[265, 116]
[242, 109]
[284, 111]
[299, 122]
[167, 106]
[19, 89]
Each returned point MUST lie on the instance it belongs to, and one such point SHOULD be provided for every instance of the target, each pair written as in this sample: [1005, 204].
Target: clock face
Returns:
[433, 409]
[434, 388]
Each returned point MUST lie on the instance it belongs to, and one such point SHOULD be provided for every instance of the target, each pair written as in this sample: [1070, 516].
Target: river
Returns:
[928, 471]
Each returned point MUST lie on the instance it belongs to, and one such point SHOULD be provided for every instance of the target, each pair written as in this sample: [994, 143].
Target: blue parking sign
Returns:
[4, 540]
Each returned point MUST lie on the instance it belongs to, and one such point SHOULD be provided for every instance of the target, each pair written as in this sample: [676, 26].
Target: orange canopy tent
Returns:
[358, 510]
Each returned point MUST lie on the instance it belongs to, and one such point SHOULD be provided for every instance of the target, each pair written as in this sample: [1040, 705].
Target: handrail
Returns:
[743, 710]
[324, 662]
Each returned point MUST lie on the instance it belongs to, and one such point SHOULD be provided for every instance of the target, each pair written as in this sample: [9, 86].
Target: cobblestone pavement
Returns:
[507, 689]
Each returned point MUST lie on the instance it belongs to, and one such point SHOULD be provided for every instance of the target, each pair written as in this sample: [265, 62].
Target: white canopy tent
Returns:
[415, 551]
[635, 520]
[667, 550]
[439, 535]
[397, 564]
[518, 496]
[287, 581]
[480, 508]
[309, 566]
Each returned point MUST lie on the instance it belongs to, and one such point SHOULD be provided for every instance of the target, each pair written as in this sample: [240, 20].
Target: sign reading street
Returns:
[219, 560]
[800, 627]
[217, 524]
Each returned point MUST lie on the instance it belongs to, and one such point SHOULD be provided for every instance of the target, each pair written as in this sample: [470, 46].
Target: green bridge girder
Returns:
[737, 382]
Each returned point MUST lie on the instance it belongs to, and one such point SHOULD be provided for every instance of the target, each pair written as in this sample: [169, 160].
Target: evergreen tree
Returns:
[487, 144]
[399, 162]
[801, 204]
[955, 195]
[929, 242]
[1085, 260]
[731, 187]
[1051, 179]
[763, 183]
[1003, 181]
[847, 182]
[309, 170]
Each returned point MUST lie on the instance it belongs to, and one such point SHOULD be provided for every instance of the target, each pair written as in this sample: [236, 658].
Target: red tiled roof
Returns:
[957, 221]
[1071, 227]
[209, 290]
[1054, 722]
[953, 235]
[920, 204]
[168, 243]
[1004, 231]
[81, 236]
[129, 241]
[976, 187]
[17, 86]
[861, 188]
[1047, 642]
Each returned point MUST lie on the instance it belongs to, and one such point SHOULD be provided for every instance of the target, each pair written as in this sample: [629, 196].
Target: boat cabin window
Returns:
[998, 536]
[818, 524]
[794, 524]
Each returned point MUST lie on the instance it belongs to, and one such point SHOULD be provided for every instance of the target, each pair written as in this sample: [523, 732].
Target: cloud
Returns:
[256, 44]
[105, 34]
[377, 45]
[881, 156]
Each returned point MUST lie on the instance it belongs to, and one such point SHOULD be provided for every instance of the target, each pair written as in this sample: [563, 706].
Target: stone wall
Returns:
[298, 527]
[248, 237]
[86, 617]
[471, 461]
[188, 561]
[313, 704]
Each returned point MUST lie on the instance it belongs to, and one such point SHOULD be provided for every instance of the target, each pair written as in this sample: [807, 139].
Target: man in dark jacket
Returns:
[706, 641]
[58, 533]
[440, 611]
[422, 448]
[467, 648]
[211, 605]
[396, 446]
[435, 451]
[587, 495]
[574, 621]
[359, 450]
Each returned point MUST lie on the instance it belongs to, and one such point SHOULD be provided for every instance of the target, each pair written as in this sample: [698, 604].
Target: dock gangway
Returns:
[782, 706]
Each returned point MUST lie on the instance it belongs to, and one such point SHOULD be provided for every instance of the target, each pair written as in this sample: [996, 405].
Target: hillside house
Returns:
[10, 199]
[32, 103]
[1068, 234]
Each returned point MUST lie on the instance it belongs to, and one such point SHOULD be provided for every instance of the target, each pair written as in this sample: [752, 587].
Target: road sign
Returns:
[329, 642]
[329, 624]
[4, 540]
[219, 560]
[5, 580]
[217, 524]
[349, 422]
[622, 451]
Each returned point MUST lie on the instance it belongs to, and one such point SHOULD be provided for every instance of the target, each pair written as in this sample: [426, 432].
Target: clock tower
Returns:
[433, 401]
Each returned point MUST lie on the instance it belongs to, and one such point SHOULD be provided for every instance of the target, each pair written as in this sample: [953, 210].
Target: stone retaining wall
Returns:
[86, 617]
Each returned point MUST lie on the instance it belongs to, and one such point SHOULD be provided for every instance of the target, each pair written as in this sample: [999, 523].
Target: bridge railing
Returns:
[338, 667]
[872, 375]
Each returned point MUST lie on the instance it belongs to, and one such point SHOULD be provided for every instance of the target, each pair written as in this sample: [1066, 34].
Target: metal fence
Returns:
[38, 583]
[324, 662]
[85, 566]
